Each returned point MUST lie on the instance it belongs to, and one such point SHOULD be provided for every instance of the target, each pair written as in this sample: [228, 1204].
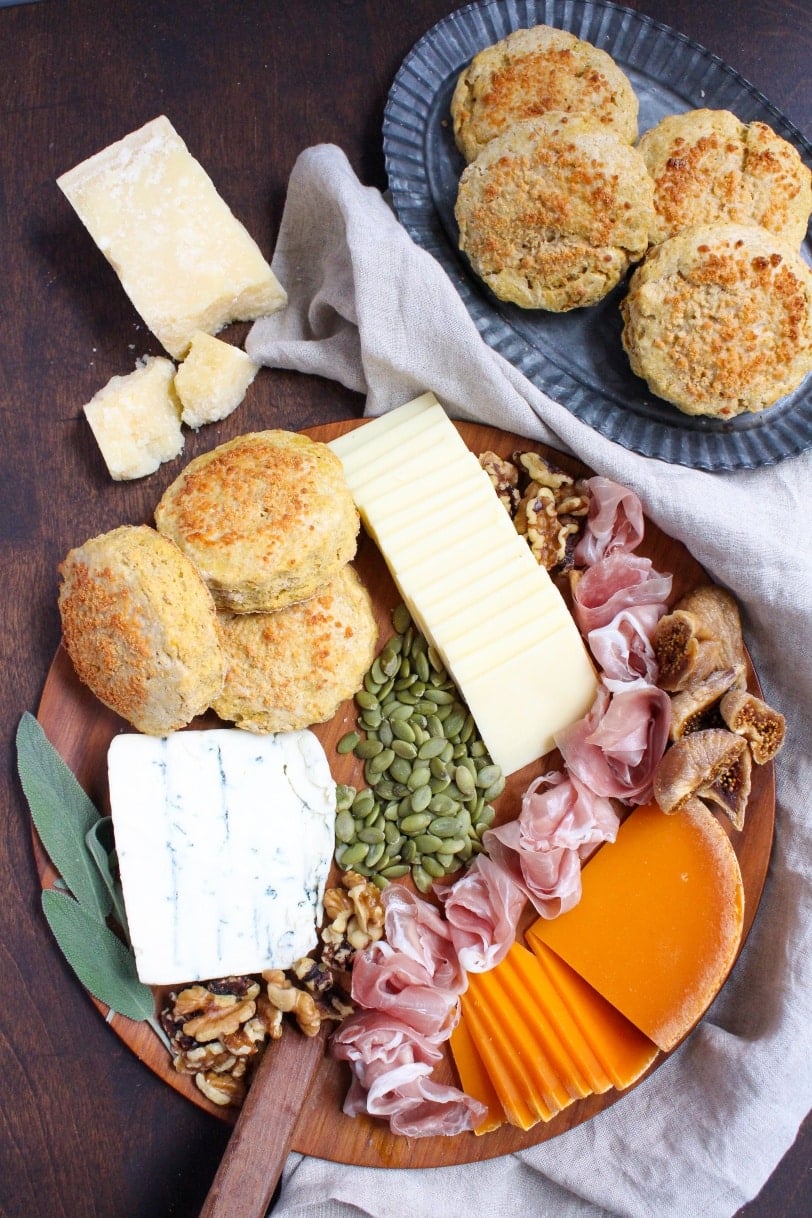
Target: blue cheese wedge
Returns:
[224, 840]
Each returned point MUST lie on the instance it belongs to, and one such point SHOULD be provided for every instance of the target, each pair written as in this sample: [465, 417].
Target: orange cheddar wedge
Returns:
[474, 1078]
[659, 922]
[621, 1051]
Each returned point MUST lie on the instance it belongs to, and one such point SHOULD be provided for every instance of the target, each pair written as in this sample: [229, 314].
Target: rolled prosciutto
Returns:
[615, 522]
[482, 909]
[619, 581]
[615, 749]
[561, 822]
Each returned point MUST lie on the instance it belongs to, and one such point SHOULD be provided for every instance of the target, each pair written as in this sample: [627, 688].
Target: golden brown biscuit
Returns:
[552, 213]
[531, 72]
[718, 320]
[140, 627]
[267, 518]
[709, 167]
[292, 668]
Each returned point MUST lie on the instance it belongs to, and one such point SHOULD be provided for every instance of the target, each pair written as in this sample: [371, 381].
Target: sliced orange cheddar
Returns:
[621, 1051]
[659, 922]
[492, 1035]
[474, 1078]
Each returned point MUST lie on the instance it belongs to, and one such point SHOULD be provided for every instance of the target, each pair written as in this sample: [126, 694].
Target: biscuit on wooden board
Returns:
[139, 625]
[267, 518]
[289, 669]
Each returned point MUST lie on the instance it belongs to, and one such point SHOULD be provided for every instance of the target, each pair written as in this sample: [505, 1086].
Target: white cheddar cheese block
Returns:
[213, 379]
[469, 580]
[183, 258]
[224, 841]
[136, 419]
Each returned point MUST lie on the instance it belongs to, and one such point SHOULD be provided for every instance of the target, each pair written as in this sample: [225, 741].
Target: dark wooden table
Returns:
[85, 1129]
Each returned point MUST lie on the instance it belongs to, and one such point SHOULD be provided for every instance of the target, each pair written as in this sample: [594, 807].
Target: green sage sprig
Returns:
[76, 839]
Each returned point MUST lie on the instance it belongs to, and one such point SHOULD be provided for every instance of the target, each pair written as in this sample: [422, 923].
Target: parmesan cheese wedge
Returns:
[183, 258]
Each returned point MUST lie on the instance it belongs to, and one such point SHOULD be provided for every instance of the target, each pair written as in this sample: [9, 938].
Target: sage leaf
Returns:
[102, 847]
[62, 813]
[100, 960]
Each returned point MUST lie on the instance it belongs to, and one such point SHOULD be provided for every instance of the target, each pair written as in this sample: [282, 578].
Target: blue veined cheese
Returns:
[224, 840]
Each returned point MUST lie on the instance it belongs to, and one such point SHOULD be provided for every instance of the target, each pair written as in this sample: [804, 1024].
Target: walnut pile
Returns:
[547, 505]
[217, 1029]
[355, 913]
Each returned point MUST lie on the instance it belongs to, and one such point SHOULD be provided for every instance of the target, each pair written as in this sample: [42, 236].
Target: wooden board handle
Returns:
[258, 1147]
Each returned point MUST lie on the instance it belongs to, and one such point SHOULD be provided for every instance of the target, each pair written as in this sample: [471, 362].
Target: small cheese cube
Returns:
[224, 841]
[136, 419]
[212, 380]
[183, 258]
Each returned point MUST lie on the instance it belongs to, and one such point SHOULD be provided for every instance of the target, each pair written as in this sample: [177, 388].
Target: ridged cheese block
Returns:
[183, 258]
[469, 580]
[224, 841]
[659, 922]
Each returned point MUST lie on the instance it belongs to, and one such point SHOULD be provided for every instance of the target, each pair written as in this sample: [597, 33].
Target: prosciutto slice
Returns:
[619, 581]
[622, 648]
[560, 824]
[387, 980]
[391, 1065]
[482, 909]
[615, 749]
[615, 522]
[418, 930]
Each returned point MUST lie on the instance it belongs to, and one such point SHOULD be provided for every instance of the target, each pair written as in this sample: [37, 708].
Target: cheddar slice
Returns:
[610, 1049]
[469, 580]
[474, 1078]
[183, 258]
[659, 922]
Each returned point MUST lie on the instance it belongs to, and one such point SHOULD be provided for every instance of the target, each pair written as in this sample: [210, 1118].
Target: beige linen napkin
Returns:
[369, 308]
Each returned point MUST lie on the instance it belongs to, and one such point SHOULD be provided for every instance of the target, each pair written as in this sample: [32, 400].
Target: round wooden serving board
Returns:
[80, 727]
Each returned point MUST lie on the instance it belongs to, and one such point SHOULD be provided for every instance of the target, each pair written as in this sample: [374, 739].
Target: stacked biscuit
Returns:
[559, 199]
[242, 599]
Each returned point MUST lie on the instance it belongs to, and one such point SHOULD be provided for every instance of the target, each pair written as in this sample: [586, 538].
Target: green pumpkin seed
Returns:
[367, 749]
[353, 855]
[363, 803]
[344, 827]
[402, 730]
[422, 880]
[347, 742]
[428, 843]
[396, 871]
[416, 822]
[377, 855]
[433, 867]
[401, 618]
[465, 781]
[403, 749]
[421, 798]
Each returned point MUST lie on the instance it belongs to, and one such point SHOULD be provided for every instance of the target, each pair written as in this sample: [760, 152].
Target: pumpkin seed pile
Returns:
[430, 781]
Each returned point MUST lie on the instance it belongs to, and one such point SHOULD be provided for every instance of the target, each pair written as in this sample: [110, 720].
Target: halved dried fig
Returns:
[697, 708]
[750, 717]
[713, 766]
[702, 635]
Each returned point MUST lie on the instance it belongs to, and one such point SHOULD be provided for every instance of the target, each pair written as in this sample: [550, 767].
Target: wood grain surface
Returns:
[81, 729]
[86, 1129]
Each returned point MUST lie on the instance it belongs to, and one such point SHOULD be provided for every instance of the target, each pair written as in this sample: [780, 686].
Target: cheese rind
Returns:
[224, 841]
[136, 419]
[183, 258]
[436, 518]
[213, 379]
